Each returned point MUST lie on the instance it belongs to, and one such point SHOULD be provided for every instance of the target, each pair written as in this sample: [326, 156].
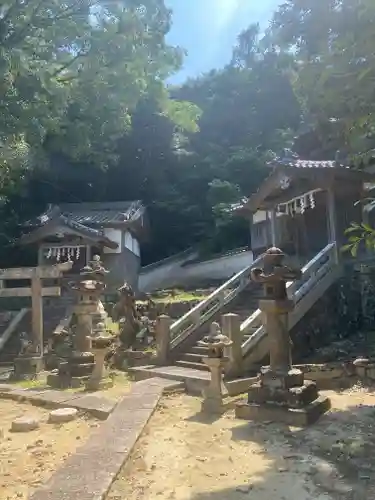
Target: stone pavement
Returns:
[89, 473]
[98, 406]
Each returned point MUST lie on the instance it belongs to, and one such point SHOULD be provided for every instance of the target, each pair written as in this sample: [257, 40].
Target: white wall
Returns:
[114, 235]
[174, 274]
[158, 275]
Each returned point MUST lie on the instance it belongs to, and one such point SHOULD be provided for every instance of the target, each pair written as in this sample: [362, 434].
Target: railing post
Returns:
[163, 339]
[231, 327]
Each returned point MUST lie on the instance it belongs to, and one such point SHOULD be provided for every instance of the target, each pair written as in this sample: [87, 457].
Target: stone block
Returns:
[81, 369]
[275, 379]
[98, 407]
[27, 367]
[62, 415]
[297, 417]
[24, 424]
[294, 397]
[236, 387]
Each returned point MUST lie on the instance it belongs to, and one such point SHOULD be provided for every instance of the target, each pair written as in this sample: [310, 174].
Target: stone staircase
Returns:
[239, 294]
[245, 304]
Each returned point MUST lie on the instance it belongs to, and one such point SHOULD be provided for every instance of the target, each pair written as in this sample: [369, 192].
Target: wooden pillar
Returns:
[37, 312]
[273, 228]
[88, 254]
[40, 255]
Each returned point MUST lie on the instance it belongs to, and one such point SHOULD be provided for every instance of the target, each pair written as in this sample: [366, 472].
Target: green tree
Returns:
[73, 72]
[333, 44]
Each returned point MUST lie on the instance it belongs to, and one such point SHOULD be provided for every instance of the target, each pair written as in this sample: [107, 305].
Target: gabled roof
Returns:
[283, 172]
[96, 214]
[55, 221]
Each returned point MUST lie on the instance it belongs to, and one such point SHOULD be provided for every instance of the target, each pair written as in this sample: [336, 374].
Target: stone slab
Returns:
[88, 474]
[239, 386]
[296, 417]
[169, 372]
[96, 406]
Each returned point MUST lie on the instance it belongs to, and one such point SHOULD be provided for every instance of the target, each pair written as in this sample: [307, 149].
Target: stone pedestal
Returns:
[163, 339]
[28, 367]
[286, 398]
[213, 396]
[98, 379]
[231, 326]
[282, 394]
[74, 372]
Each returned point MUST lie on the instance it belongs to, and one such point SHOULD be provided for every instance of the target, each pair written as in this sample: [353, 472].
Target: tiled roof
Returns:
[101, 213]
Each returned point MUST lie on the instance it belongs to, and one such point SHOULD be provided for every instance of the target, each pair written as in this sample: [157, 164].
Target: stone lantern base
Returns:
[283, 397]
[73, 373]
[28, 367]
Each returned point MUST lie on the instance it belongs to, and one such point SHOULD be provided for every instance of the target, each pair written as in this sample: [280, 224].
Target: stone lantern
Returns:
[96, 272]
[78, 368]
[216, 361]
[101, 345]
[216, 342]
[281, 393]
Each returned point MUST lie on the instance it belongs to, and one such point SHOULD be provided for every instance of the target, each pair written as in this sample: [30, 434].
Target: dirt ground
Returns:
[28, 459]
[184, 456]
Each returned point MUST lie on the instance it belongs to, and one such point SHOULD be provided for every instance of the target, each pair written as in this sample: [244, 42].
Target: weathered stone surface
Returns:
[26, 368]
[62, 415]
[295, 397]
[239, 386]
[297, 417]
[24, 424]
[50, 398]
[98, 407]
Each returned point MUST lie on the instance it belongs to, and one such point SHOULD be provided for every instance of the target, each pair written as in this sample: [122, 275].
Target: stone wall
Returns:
[336, 316]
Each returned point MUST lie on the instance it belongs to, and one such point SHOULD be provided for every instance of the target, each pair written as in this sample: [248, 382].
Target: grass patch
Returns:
[177, 296]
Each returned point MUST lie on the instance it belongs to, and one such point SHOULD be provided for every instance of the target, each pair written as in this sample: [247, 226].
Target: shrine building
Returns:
[78, 231]
[304, 205]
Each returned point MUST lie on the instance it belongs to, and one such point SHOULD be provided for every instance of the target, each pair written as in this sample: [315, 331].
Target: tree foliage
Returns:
[87, 115]
[333, 46]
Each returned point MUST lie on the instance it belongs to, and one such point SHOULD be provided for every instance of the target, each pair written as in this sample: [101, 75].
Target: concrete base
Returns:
[28, 368]
[296, 417]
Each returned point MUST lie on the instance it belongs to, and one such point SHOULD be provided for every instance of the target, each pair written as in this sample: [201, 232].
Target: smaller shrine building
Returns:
[303, 205]
[78, 231]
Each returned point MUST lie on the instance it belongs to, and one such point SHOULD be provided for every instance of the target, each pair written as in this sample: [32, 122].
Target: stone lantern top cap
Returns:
[274, 251]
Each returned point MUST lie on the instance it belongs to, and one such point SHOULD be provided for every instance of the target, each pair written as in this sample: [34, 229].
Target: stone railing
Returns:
[203, 311]
[313, 274]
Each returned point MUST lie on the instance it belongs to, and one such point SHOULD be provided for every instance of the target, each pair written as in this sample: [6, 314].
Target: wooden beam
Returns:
[49, 291]
[20, 273]
[37, 312]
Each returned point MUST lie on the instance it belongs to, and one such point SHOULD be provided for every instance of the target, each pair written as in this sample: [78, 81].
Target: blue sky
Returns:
[208, 29]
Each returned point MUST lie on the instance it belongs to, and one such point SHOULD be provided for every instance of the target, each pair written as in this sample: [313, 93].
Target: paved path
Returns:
[89, 473]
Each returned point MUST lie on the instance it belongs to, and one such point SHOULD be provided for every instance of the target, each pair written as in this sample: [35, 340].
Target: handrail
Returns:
[312, 273]
[210, 305]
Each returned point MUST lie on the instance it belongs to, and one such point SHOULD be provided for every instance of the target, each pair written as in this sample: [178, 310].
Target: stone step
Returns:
[194, 358]
[192, 365]
[194, 380]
